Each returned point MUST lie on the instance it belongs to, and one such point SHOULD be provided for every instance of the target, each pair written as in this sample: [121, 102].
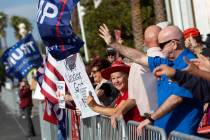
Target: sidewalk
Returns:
[14, 127]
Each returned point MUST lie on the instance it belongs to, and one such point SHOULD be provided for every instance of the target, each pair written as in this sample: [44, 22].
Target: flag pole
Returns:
[82, 31]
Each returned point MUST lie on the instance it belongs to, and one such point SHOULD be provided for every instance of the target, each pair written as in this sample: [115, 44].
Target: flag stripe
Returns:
[49, 97]
[50, 83]
[52, 68]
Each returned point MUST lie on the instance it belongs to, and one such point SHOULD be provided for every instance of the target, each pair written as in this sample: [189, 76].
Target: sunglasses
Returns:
[161, 45]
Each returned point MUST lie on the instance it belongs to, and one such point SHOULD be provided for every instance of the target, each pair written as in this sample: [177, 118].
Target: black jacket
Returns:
[200, 88]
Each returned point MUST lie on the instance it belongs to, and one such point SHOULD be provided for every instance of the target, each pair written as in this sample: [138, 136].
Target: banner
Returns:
[22, 57]
[78, 83]
[53, 20]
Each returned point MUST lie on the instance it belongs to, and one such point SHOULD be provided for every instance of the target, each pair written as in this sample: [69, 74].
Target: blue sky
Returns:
[25, 8]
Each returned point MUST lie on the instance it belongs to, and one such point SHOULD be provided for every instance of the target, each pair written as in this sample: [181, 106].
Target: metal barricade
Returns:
[110, 133]
[48, 130]
[180, 136]
[89, 128]
[149, 132]
[99, 128]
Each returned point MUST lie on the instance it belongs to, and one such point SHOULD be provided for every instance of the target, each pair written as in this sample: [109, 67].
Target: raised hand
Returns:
[164, 70]
[192, 67]
[202, 63]
[104, 34]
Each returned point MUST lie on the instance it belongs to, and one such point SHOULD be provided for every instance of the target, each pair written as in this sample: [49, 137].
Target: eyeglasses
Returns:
[161, 45]
[94, 71]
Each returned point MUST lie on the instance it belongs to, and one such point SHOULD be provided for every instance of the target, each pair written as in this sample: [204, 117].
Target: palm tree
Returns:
[159, 9]
[3, 25]
[137, 24]
[16, 20]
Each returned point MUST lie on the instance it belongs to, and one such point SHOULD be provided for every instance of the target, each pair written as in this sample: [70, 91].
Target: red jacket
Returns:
[25, 95]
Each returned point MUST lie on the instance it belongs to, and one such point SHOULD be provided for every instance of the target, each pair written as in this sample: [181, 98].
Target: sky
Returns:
[25, 8]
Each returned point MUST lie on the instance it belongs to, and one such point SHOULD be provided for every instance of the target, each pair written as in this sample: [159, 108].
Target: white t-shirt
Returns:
[142, 84]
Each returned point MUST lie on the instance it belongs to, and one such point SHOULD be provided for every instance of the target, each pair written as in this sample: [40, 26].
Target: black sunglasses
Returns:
[161, 45]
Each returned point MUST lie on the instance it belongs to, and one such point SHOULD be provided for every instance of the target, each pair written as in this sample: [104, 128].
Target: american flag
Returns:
[47, 76]
[51, 76]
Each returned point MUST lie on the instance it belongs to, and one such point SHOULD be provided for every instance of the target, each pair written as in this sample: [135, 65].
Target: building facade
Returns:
[189, 13]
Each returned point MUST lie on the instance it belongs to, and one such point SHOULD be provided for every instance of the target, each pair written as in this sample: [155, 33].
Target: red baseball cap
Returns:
[194, 32]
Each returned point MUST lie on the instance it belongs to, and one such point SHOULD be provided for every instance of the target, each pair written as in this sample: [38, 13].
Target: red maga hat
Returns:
[194, 32]
[117, 66]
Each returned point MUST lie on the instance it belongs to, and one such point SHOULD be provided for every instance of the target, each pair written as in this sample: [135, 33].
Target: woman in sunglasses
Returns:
[105, 91]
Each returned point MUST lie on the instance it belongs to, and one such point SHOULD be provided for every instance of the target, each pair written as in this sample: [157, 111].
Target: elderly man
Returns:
[146, 100]
[177, 110]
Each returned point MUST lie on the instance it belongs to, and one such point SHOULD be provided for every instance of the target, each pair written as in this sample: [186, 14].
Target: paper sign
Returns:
[60, 93]
[78, 83]
[37, 94]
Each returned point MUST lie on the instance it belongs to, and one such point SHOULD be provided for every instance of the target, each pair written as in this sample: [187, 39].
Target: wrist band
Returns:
[150, 119]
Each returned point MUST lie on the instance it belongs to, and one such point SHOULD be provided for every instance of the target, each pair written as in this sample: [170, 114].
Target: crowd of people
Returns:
[166, 86]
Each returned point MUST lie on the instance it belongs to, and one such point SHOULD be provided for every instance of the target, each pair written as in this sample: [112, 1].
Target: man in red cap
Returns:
[193, 41]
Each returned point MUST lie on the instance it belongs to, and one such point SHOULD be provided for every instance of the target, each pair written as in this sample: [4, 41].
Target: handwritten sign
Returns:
[78, 83]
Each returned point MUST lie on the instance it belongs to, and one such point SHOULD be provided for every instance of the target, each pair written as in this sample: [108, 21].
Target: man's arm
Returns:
[201, 73]
[101, 109]
[197, 85]
[131, 53]
[172, 102]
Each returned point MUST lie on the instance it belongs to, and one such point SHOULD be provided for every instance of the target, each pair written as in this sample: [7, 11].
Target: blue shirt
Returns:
[185, 117]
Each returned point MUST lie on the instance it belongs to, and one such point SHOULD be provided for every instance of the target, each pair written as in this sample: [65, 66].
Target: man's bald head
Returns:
[170, 33]
[151, 36]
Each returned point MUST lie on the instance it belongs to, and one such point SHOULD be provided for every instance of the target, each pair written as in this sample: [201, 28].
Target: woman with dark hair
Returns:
[103, 87]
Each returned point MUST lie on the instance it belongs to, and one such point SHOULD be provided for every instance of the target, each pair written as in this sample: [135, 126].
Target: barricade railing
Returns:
[148, 133]
[180, 136]
[89, 128]
[99, 128]
[118, 133]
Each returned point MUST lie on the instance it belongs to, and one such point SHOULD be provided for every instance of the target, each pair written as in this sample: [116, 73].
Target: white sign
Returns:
[61, 93]
[37, 94]
[78, 82]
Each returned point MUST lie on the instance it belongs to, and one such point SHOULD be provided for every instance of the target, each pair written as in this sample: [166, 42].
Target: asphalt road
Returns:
[14, 127]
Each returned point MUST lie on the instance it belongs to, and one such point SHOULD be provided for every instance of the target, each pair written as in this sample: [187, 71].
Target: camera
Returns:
[111, 51]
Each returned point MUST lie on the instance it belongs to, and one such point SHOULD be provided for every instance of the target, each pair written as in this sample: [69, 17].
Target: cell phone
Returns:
[117, 34]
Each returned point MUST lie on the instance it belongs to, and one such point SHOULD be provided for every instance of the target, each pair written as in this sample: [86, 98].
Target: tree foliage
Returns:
[16, 20]
[3, 24]
[117, 15]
